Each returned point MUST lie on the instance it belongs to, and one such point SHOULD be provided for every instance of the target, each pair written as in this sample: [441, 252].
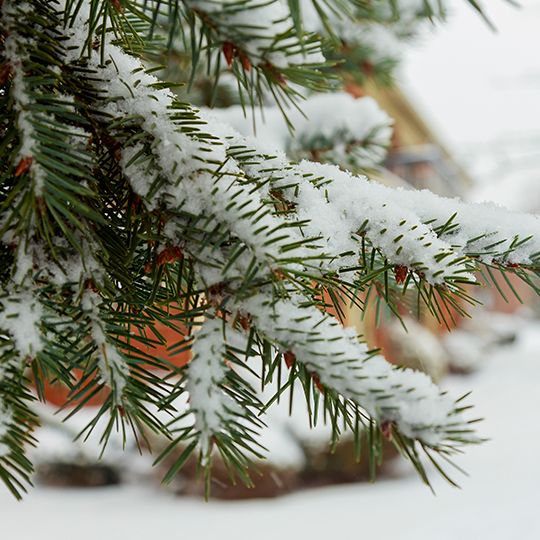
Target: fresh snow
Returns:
[410, 399]
[113, 368]
[257, 24]
[209, 403]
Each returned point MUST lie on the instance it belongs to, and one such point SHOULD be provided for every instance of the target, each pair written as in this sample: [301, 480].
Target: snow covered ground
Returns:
[499, 501]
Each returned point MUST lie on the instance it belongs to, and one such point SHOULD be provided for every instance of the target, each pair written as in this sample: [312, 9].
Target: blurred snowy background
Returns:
[480, 92]
[499, 501]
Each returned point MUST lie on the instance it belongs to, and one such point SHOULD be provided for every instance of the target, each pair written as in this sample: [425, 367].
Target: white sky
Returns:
[480, 90]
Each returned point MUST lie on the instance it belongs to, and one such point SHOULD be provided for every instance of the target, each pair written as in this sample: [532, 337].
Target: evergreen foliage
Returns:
[123, 206]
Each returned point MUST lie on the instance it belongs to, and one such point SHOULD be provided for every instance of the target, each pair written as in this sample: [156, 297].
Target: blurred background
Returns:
[467, 123]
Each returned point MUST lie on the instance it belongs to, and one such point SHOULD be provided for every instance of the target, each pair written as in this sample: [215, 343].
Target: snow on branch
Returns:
[487, 231]
[406, 398]
[20, 327]
[341, 209]
[331, 127]
[16, 50]
[331, 204]
[211, 405]
[21, 318]
[199, 179]
[431, 234]
[396, 231]
[263, 30]
[16, 420]
[50, 138]
[113, 368]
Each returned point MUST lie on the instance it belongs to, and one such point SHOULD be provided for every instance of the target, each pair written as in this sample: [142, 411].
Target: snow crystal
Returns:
[21, 318]
[205, 372]
[112, 366]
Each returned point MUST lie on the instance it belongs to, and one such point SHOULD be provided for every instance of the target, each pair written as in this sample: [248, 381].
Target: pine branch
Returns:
[123, 209]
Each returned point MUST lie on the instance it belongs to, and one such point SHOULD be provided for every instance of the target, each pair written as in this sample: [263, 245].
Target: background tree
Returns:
[123, 206]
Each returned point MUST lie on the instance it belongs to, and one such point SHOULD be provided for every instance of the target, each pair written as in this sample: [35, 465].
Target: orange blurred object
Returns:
[172, 336]
[57, 393]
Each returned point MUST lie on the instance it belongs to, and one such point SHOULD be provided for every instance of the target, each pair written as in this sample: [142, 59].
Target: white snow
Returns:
[21, 317]
[410, 399]
[113, 367]
[484, 228]
[260, 24]
[499, 501]
[206, 371]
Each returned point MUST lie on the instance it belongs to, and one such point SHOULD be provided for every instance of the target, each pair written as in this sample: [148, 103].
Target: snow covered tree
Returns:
[124, 206]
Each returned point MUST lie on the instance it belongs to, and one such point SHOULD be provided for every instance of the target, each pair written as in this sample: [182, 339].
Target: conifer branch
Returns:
[123, 208]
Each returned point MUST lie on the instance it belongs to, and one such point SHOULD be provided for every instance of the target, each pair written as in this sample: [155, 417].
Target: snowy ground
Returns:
[499, 501]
